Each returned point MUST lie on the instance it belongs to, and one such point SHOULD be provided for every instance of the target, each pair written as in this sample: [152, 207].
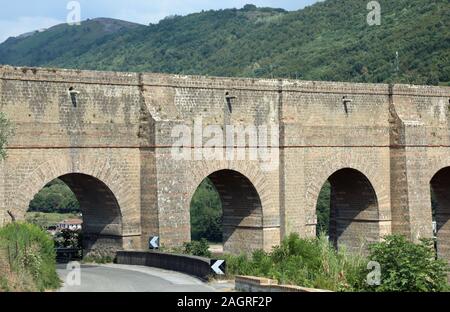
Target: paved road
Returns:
[124, 278]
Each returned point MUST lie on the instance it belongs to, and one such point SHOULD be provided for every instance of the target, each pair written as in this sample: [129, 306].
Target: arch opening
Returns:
[234, 204]
[347, 210]
[440, 203]
[76, 197]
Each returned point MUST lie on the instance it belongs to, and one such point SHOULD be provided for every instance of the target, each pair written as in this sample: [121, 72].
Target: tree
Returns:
[55, 197]
[206, 213]
[323, 210]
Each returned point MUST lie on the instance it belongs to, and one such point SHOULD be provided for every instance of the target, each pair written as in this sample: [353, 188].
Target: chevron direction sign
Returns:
[218, 267]
[153, 242]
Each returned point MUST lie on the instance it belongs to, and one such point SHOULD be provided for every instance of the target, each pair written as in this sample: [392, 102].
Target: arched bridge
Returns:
[115, 138]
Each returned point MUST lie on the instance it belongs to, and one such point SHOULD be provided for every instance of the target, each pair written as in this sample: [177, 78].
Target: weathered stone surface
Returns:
[379, 145]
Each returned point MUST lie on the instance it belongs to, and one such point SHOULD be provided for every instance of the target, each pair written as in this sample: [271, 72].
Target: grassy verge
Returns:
[27, 259]
[403, 266]
[305, 262]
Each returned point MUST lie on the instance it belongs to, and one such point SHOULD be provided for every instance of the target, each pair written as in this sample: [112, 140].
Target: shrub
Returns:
[406, 266]
[314, 262]
[198, 248]
[238, 265]
[29, 251]
[305, 262]
[69, 239]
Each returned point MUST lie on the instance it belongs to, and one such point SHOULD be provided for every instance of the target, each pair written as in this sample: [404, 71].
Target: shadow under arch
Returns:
[102, 219]
[353, 210]
[242, 215]
[440, 193]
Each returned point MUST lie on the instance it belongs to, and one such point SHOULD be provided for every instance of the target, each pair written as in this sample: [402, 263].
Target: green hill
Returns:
[329, 40]
[62, 42]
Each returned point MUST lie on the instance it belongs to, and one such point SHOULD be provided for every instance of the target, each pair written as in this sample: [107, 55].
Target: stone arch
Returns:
[333, 160]
[98, 188]
[101, 211]
[56, 167]
[440, 186]
[242, 197]
[249, 170]
[354, 209]
[337, 160]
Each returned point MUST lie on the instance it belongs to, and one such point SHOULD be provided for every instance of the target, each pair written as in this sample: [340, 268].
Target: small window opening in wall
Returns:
[73, 96]
[346, 101]
[229, 99]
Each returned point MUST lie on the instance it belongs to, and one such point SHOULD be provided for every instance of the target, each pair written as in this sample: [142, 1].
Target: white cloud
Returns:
[24, 24]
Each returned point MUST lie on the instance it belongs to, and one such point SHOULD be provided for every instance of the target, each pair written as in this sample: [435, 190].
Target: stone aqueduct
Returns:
[380, 146]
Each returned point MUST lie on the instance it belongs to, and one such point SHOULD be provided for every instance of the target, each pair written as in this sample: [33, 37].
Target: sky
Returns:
[22, 16]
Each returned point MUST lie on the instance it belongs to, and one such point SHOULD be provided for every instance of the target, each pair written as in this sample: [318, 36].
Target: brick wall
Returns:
[260, 284]
[120, 133]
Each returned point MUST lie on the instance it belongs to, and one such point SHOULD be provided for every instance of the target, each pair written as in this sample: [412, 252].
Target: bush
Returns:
[197, 248]
[30, 254]
[69, 239]
[305, 262]
[238, 265]
[314, 262]
[406, 266]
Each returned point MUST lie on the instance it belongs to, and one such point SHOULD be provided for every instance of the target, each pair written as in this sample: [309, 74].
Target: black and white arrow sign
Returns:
[218, 266]
[153, 242]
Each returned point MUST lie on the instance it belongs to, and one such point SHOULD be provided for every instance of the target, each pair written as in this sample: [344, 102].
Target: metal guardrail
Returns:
[192, 265]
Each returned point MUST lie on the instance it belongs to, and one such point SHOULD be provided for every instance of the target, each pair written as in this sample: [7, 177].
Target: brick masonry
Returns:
[260, 284]
[379, 145]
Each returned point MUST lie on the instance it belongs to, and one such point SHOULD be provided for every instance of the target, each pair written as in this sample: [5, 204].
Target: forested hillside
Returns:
[330, 40]
[62, 42]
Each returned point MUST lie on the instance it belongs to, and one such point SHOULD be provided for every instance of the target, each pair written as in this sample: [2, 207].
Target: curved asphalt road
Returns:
[125, 278]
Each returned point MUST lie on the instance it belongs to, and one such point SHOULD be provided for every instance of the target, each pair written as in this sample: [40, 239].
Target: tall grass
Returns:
[305, 262]
[314, 262]
[27, 259]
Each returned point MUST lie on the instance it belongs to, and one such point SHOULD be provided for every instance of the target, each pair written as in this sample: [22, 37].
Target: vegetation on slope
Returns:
[329, 40]
[62, 42]
[27, 259]
[404, 266]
